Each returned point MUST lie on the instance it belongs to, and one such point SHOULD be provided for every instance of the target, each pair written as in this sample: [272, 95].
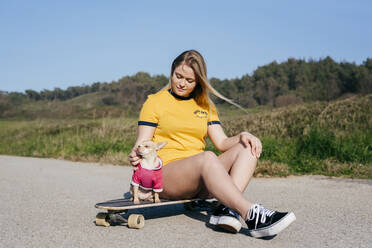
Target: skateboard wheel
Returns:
[102, 220]
[136, 221]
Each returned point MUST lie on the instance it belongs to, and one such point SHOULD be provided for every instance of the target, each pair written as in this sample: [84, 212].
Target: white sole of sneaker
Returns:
[229, 223]
[274, 228]
[213, 220]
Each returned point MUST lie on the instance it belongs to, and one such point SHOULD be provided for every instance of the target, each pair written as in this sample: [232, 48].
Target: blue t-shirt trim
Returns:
[181, 97]
[213, 122]
[146, 123]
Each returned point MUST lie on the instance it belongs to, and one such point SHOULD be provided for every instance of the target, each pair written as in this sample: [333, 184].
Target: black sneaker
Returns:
[262, 222]
[226, 218]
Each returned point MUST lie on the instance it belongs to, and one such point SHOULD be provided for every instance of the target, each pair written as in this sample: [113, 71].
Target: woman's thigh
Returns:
[182, 178]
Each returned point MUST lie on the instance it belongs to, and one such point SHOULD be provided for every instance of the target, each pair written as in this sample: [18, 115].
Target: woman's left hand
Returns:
[248, 139]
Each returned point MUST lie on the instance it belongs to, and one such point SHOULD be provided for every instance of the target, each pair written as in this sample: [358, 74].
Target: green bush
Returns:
[308, 153]
[317, 143]
[355, 148]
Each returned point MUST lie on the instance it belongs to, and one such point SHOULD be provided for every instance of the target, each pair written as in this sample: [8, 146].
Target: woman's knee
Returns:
[245, 151]
[209, 156]
[205, 158]
[209, 160]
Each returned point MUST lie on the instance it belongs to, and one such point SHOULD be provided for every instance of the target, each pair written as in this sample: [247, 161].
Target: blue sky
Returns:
[48, 44]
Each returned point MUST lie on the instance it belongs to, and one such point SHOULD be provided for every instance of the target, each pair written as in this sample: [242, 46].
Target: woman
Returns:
[182, 114]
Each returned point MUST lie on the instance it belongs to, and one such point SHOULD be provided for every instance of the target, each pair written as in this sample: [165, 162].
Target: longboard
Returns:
[115, 207]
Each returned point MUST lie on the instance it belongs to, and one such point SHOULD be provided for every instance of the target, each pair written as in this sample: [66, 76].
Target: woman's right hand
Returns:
[144, 133]
[134, 159]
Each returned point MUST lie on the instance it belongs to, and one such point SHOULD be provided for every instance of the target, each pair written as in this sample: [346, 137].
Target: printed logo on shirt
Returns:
[201, 114]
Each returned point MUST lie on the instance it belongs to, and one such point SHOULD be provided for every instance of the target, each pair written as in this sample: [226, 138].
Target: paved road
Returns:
[50, 203]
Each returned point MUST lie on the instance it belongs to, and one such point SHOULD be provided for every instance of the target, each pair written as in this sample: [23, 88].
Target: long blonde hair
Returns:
[196, 61]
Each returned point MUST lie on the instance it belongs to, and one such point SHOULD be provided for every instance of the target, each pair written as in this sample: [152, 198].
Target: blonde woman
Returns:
[182, 114]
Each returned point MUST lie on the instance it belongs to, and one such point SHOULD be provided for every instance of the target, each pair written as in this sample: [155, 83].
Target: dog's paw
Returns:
[136, 201]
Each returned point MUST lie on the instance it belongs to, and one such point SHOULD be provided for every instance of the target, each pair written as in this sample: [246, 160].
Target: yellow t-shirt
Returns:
[179, 121]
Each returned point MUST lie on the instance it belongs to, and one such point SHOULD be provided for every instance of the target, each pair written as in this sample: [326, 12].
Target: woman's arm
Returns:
[143, 133]
[223, 143]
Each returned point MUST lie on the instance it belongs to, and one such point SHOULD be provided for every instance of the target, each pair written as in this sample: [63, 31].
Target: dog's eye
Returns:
[147, 146]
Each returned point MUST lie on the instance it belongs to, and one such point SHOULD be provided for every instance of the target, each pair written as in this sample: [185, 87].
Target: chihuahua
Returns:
[147, 180]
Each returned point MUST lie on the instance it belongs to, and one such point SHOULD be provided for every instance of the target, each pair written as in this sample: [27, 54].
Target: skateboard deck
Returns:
[115, 207]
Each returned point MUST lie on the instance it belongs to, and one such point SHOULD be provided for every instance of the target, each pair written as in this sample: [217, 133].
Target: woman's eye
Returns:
[178, 76]
[190, 81]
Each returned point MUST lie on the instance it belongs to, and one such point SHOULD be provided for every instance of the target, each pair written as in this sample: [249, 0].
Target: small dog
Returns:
[147, 180]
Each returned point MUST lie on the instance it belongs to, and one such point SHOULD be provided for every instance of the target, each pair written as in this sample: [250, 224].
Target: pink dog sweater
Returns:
[149, 179]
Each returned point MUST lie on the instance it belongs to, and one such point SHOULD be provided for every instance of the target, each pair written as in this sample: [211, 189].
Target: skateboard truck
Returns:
[113, 218]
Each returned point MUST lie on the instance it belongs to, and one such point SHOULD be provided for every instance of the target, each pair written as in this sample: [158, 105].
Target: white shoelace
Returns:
[256, 210]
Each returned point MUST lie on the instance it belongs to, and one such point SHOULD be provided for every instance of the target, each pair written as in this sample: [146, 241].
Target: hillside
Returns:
[332, 138]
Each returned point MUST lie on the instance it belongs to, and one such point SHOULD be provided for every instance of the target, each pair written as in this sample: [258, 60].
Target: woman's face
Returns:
[183, 80]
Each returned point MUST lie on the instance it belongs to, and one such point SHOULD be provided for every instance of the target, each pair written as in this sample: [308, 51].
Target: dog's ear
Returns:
[160, 145]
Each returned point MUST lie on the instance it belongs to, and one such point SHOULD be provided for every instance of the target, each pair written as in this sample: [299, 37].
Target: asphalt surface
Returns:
[50, 203]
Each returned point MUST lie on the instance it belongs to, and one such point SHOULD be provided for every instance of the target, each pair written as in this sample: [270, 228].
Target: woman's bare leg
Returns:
[240, 164]
[185, 179]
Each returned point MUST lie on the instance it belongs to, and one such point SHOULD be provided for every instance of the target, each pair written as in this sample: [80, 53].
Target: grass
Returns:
[104, 140]
[332, 139]
[321, 152]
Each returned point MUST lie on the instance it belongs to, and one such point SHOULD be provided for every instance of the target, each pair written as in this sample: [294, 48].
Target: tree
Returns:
[33, 95]
[364, 81]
